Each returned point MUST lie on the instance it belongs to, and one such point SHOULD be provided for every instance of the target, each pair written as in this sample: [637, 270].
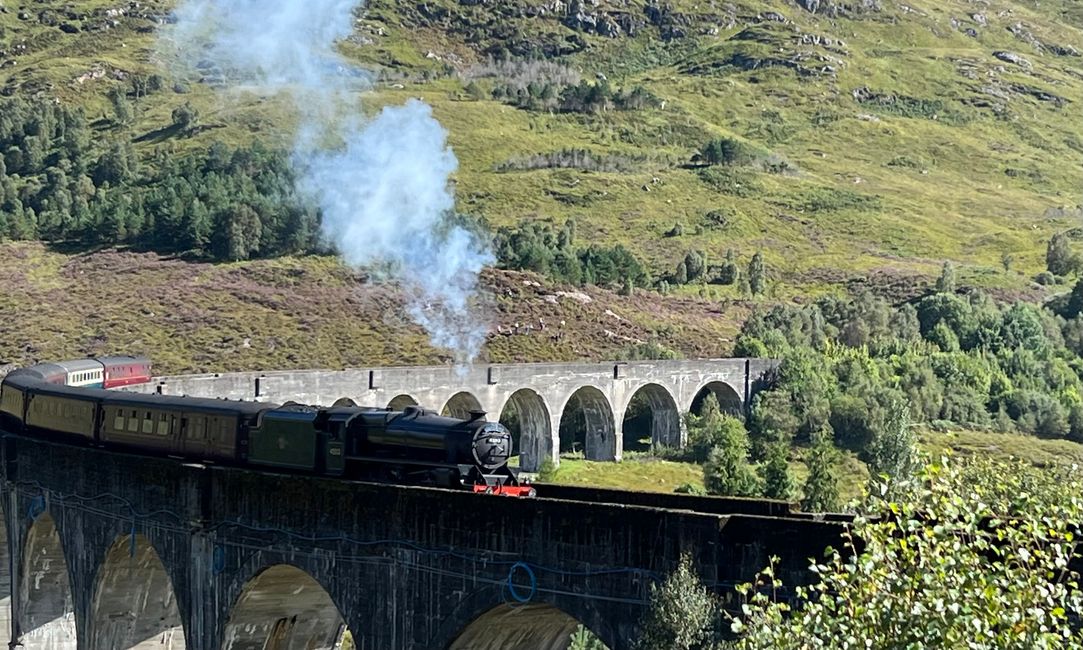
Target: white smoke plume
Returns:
[382, 184]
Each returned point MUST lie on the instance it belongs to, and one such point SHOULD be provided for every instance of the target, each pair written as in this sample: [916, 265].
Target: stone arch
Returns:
[135, 606]
[526, 415]
[282, 608]
[399, 402]
[47, 612]
[651, 420]
[586, 422]
[524, 627]
[460, 404]
[728, 398]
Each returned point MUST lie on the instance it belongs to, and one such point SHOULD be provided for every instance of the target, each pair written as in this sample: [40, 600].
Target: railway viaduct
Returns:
[110, 551]
[590, 398]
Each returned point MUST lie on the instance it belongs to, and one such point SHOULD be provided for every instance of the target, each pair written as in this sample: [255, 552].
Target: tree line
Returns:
[61, 182]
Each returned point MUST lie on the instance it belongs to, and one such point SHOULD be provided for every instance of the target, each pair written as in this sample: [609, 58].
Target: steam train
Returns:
[69, 402]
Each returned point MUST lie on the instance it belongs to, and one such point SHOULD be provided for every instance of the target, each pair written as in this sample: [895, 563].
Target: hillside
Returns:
[311, 312]
[878, 139]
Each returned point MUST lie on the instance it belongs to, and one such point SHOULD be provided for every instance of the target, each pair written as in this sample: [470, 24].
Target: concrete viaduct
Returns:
[111, 551]
[590, 400]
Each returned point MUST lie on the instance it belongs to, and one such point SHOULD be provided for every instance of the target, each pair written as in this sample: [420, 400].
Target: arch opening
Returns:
[460, 405]
[587, 426]
[47, 616]
[283, 608]
[527, 418]
[651, 420]
[525, 627]
[399, 402]
[728, 400]
[135, 606]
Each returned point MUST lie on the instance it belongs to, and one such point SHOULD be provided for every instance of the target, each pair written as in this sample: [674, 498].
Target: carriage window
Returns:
[133, 422]
[148, 424]
[118, 423]
[163, 425]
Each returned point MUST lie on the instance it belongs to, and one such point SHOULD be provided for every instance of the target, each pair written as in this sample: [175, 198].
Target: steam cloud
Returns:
[383, 184]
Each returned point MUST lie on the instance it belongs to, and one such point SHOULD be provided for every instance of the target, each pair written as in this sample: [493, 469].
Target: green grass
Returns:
[850, 211]
[645, 474]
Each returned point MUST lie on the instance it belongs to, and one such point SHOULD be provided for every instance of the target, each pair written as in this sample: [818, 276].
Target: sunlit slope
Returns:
[892, 135]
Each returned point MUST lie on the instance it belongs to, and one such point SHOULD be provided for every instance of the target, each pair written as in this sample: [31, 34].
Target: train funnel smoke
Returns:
[382, 184]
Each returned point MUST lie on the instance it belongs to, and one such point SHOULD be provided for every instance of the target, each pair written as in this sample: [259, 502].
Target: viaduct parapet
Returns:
[110, 551]
[591, 399]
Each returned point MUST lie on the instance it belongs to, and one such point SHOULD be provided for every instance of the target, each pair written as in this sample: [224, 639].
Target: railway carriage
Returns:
[83, 373]
[197, 428]
[414, 446]
[120, 371]
[62, 410]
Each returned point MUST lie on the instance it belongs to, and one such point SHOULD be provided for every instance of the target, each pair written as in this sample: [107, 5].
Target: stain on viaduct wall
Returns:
[121, 551]
[593, 396]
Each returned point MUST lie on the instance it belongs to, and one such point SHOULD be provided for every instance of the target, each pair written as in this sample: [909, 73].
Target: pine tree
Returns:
[682, 613]
[727, 471]
[757, 274]
[946, 282]
[775, 475]
[822, 485]
[122, 108]
[1059, 258]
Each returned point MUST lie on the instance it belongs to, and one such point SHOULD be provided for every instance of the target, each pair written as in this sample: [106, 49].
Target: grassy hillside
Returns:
[310, 312]
[888, 137]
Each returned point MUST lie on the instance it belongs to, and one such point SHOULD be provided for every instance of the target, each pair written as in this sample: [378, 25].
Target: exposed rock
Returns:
[1012, 57]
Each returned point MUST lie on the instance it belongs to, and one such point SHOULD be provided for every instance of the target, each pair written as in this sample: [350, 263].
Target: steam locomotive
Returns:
[413, 446]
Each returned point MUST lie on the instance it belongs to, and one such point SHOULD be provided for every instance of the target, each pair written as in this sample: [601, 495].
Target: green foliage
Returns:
[757, 274]
[727, 471]
[1059, 257]
[648, 351]
[946, 282]
[893, 452]
[539, 247]
[584, 639]
[821, 489]
[683, 615]
[727, 151]
[970, 554]
[775, 475]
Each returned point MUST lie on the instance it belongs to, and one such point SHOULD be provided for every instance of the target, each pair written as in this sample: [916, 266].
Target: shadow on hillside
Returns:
[161, 134]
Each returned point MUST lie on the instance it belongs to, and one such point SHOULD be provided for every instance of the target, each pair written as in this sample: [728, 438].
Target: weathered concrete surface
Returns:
[406, 568]
[44, 609]
[135, 607]
[263, 620]
[595, 395]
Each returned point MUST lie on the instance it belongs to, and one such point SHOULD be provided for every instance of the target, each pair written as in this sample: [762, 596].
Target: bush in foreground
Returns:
[969, 554]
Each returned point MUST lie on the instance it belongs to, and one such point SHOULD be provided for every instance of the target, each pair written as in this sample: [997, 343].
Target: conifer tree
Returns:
[822, 485]
[775, 475]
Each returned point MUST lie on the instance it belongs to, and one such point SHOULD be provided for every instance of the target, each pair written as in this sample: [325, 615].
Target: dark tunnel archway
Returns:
[587, 426]
[460, 404]
[526, 415]
[651, 420]
[47, 616]
[399, 402]
[283, 608]
[524, 627]
[728, 399]
[135, 606]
